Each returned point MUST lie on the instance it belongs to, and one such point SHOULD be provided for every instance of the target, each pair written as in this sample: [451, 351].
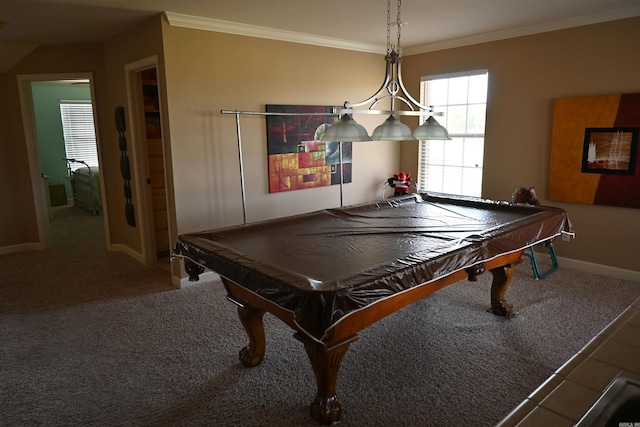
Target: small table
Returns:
[329, 274]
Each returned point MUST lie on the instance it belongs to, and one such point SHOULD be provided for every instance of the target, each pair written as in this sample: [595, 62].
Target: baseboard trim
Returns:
[21, 248]
[590, 267]
[119, 247]
[604, 270]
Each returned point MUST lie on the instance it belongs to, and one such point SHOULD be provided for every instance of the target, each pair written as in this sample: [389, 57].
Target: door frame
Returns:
[136, 132]
[38, 189]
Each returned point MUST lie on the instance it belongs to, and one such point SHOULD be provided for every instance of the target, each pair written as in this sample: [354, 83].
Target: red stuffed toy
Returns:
[400, 183]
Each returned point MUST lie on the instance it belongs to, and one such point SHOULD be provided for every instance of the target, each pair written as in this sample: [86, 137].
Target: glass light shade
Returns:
[431, 129]
[392, 130]
[346, 130]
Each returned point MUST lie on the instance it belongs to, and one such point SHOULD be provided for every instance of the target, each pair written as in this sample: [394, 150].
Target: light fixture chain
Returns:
[399, 24]
[388, 26]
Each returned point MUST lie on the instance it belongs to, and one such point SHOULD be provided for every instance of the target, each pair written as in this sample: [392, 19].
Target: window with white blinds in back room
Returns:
[79, 133]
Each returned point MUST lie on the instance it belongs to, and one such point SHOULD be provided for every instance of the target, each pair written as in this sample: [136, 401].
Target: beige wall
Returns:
[106, 62]
[207, 72]
[525, 75]
[141, 42]
[17, 212]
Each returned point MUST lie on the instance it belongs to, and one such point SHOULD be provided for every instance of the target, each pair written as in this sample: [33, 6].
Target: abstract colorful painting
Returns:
[297, 157]
[610, 150]
[594, 150]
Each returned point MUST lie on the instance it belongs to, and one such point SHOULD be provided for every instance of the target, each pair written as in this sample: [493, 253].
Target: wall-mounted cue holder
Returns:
[125, 169]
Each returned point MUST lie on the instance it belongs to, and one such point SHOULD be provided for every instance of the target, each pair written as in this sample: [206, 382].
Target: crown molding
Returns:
[524, 31]
[217, 25]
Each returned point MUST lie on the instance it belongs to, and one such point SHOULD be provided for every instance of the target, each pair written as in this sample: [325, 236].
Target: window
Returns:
[79, 133]
[455, 166]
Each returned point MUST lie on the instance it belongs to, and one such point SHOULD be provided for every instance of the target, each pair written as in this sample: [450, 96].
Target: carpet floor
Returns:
[94, 338]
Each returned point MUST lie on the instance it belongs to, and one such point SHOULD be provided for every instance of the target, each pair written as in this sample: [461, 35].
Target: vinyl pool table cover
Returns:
[324, 265]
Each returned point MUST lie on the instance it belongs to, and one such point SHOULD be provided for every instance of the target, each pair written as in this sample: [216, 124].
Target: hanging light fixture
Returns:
[392, 129]
[431, 129]
[346, 129]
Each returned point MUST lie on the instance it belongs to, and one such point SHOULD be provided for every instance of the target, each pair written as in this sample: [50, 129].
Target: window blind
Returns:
[79, 133]
[455, 166]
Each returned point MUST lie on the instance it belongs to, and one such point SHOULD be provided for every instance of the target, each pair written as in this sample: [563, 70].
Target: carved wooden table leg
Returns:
[326, 408]
[501, 279]
[251, 319]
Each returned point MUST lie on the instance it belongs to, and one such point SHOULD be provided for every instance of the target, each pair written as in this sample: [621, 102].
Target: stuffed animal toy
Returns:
[525, 195]
[400, 183]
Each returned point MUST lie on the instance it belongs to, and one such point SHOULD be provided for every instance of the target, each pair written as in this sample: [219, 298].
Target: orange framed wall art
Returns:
[594, 150]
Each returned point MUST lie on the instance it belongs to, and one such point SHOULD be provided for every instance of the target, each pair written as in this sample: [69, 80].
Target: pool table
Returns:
[331, 273]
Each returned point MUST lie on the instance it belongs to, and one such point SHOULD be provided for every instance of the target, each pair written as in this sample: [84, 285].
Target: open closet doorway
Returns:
[63, 148]
[152, 175]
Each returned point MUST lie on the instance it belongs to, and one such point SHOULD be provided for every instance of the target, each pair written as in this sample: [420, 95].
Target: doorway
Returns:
[156, 180]
[152, 175]
[54, 180]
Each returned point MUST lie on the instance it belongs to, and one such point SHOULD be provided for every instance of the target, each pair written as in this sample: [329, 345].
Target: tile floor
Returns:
[575, 387]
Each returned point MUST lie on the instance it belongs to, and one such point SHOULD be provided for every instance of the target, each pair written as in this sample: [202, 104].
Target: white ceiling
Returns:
[427, 24]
